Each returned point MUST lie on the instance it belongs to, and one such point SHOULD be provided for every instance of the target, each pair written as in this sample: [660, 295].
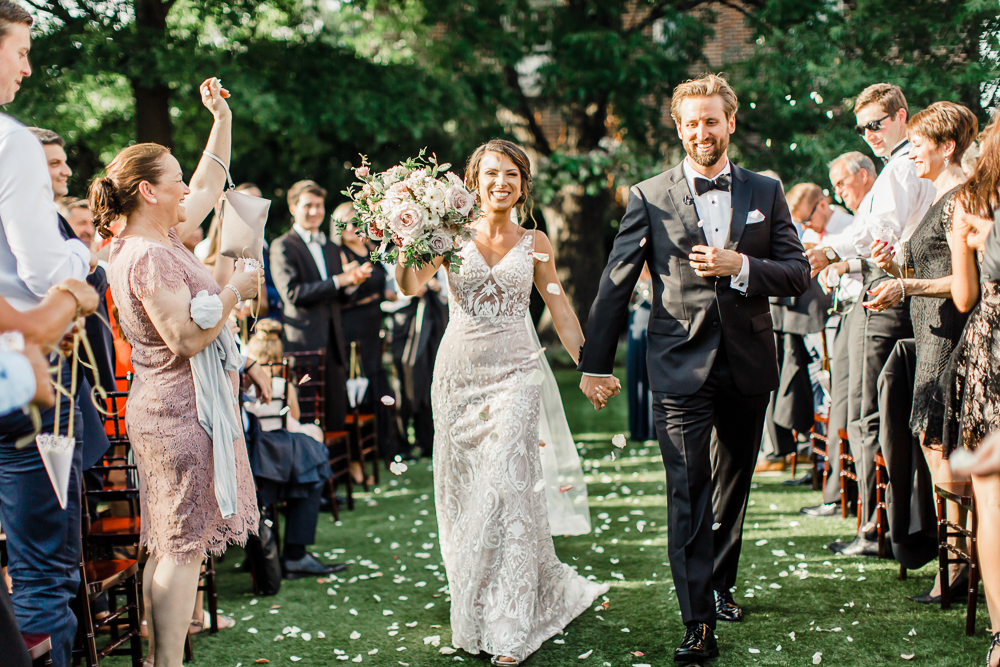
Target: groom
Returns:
[719, 241]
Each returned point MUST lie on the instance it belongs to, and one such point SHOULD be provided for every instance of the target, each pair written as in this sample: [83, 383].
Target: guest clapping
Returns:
[187, 511]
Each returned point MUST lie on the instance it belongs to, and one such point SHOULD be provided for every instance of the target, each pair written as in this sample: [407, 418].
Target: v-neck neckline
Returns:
[499, 261]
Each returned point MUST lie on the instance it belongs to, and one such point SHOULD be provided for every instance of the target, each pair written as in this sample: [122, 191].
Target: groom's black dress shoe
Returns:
[726, 608]
[699, 644]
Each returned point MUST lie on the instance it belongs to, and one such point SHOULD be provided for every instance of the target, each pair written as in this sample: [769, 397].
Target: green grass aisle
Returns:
[392, 609]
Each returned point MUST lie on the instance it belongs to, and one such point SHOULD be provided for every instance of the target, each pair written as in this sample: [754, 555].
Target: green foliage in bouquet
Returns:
[417, 207]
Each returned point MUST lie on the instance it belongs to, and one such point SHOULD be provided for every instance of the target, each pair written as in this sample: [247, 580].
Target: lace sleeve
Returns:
[153, 269]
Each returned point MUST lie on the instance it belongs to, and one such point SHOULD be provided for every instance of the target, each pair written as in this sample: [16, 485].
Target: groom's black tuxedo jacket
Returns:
[691, 316]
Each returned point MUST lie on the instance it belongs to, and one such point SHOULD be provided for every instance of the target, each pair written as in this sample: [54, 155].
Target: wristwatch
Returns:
[830, 254]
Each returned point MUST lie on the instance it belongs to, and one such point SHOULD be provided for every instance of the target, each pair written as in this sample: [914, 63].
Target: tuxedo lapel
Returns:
[331, 253]
[741, 206]
[683, 201]
[308, 264]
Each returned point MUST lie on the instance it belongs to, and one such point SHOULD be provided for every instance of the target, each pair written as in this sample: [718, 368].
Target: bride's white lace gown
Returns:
[509, 592]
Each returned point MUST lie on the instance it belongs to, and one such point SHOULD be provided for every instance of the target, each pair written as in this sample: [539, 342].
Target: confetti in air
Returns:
[618, 441]
[398, 467]
[388, 400]
[539, 352]
[565, 488]
[642, 242]
[539, 485]
[540, 256]
[305, 378]
[553, 288]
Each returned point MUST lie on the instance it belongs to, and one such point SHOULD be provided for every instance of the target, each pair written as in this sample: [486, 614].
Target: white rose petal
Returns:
[398, 467]
[539, 485]
[618, 441]
[252, 631]
[540, 256]
[553, 288]
[388, 400]
[817, 657]
[584, 656]
[447, 650]
[755, 650]
[355, 635]
[534, 378]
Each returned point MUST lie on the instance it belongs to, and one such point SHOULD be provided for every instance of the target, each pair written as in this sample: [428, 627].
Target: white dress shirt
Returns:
[34, 256]
[314, 241]
[715, 213]
[898, 200]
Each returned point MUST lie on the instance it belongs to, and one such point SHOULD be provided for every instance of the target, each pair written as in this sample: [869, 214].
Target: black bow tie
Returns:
[703, 185]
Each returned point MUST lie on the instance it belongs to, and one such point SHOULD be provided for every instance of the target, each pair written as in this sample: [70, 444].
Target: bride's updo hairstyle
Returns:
[116, 195]
[517, 155]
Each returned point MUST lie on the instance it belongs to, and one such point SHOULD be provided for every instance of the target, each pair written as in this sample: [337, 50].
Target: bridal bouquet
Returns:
[418, 205]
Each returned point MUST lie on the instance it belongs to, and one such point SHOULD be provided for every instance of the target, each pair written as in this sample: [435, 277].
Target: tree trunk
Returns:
[152, 95]
[576, 224]
[152, 114]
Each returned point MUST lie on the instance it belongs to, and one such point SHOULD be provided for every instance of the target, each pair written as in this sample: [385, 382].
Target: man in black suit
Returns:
[715, 256]
[309, 276]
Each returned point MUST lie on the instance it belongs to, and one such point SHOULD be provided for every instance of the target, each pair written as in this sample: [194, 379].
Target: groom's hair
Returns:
[705, 85]
[888, 97]
[11, 13]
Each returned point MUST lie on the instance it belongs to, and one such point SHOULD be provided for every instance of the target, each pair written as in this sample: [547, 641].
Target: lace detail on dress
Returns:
[156, 267]
[180, 515]
[508, 589]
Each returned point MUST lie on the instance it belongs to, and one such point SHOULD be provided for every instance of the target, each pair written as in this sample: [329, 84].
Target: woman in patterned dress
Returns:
[509, 591]
[154, 278]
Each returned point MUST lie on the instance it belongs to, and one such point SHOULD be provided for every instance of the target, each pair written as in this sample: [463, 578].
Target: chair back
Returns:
[307, 372]
[279, 369]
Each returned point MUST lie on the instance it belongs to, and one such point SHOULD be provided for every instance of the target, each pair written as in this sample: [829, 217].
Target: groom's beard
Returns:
[707, 158]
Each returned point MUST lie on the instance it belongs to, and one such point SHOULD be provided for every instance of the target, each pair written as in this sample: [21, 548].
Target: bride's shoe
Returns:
[504, 663]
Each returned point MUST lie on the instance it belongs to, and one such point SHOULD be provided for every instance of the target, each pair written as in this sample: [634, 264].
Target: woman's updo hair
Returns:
[265, 344]
[116, 195]
[517, 156]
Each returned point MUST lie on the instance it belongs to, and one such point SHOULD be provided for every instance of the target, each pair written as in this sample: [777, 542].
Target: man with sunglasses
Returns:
[890, 211]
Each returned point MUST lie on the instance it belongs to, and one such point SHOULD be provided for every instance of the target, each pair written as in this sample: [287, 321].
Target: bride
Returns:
[509, 591]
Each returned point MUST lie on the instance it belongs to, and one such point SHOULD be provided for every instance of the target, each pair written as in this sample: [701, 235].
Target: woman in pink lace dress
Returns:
[153, 280]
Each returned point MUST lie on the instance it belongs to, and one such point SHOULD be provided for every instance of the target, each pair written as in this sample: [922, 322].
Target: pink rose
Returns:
[407, 220]
[362, 172]
[366, 191]
[459, 199]
[397, 192]
[455, 180]
[440, 242]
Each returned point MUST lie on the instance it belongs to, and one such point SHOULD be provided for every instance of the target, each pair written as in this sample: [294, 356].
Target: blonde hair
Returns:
[265, 345]
[887, 96]
[803, 196]
[706, 85]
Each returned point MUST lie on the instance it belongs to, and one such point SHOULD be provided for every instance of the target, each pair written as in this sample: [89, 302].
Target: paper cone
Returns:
[356, 390]
[57, 455]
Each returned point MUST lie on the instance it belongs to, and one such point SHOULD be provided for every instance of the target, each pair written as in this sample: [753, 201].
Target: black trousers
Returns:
[872, 337]
[303, 510]
[791, 405]
[708, 481]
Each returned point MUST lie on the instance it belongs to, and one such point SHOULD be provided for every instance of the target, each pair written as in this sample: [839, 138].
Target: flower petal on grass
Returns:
[584, 656]
[398, 467]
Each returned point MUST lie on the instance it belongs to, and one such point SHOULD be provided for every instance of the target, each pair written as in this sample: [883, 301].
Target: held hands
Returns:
[213, 96]
[600, 389]
[246, 281]
[882, 254]
[708, 261]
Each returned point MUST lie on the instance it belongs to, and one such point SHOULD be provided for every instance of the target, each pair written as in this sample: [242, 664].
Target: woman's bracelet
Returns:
[902, 287]
[231, 286]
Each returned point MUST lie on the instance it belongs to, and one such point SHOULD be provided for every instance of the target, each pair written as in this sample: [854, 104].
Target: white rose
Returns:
[440, 242]
[455, 180]
[408, 220]
[459, 199]
[434, 200]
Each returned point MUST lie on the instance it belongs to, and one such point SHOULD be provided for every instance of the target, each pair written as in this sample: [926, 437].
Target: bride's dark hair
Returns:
[525, 204]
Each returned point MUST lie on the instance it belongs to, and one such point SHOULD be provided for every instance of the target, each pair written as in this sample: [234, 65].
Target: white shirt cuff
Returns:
[741, 280]
[844, 250]
[854, 265]
[336, 283]
[597, 375]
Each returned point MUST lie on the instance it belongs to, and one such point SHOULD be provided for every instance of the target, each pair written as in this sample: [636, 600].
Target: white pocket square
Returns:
[754, 216]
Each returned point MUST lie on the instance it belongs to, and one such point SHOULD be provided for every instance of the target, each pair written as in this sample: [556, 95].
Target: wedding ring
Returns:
[704, 267]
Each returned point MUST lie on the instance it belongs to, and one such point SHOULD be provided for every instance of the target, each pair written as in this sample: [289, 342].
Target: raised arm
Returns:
[209, 179]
